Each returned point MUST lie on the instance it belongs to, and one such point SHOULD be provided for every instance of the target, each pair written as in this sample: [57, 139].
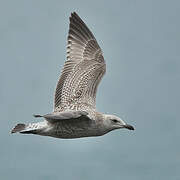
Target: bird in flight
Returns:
[75, 114]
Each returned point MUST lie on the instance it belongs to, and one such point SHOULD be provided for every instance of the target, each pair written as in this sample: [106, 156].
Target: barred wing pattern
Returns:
[83, 69]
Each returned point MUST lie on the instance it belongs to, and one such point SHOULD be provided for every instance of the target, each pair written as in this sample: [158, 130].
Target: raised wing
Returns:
[83, 69]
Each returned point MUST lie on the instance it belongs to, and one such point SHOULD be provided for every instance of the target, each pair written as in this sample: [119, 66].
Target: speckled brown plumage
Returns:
[83, 69]
[75, 114]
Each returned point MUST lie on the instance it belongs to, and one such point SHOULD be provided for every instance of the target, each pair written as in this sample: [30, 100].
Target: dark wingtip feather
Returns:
[18, 128]
[75, 15]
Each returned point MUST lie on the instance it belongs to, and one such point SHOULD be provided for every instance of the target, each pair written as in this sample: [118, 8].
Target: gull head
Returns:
[113, 122]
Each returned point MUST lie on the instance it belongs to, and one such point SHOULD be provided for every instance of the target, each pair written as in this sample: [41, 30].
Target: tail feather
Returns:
[18, 128]
[31, 128]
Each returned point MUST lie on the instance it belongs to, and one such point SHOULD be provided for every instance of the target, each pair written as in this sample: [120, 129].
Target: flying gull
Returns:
[75, 114]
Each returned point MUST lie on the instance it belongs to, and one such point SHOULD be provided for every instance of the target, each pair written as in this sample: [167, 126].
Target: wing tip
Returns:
[75, 15]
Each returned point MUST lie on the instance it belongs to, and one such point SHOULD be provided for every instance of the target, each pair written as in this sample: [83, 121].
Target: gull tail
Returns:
[18, 128]
[32, 128]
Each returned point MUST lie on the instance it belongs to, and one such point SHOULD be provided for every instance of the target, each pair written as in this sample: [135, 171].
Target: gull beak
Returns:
[127, 126]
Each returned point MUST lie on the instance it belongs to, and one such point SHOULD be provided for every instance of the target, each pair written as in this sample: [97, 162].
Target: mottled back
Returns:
[83, 69]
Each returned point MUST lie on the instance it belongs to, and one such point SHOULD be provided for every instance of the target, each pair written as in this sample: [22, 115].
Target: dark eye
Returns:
[115, 121]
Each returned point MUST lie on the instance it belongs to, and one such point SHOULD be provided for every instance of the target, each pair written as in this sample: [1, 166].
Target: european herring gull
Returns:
[75, 114]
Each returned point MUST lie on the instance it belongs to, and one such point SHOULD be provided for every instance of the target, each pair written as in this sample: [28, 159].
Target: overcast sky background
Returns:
[141, 44]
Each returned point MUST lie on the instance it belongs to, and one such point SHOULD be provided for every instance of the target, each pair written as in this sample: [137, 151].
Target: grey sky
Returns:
[141, 44]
